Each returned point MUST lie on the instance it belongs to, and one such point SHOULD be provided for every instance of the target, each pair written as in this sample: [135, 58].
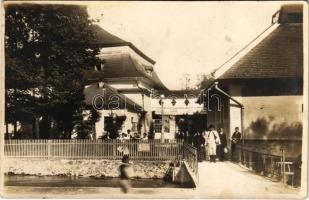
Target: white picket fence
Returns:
[152, 150]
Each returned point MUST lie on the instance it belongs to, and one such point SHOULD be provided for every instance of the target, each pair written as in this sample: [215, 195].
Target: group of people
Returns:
[127, 136]
[213, 144]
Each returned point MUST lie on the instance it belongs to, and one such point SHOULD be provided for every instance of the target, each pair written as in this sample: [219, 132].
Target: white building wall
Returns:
[279, 112]
[170, 112]
[180, 107]
[274, 113]
[127, 125]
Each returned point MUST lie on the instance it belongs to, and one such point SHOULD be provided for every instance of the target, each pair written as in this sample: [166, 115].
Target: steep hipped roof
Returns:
[122, 65]
[106, 39]
[125, 66]
[278, 55]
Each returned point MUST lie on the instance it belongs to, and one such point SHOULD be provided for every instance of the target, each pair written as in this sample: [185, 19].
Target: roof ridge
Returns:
[275, 56]
[245, 48]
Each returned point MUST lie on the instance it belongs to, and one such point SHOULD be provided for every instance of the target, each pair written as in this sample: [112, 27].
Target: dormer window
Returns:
[100, 85]
[149, 70]
[100, 67]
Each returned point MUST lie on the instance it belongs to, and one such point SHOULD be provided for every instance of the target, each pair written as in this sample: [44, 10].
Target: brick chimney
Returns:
[291, 14]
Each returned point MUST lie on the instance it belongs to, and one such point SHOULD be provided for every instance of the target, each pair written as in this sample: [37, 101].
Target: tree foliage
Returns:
[113, 125]
[47, 48]
[206, 81]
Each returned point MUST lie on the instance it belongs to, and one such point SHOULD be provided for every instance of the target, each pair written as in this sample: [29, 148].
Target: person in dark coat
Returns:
[221, 148]
[235, 140]
[198, 143]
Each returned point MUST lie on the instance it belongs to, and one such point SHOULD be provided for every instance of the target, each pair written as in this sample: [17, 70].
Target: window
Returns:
[166, 125]
[100, 67]
[149, 70]
[134, 126]
[157, 125]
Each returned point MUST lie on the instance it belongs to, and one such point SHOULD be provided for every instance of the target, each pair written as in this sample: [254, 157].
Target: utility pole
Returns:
[186, 81]
[162, 114]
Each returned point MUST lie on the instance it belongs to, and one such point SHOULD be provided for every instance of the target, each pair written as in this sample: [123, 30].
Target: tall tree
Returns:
[47, 49]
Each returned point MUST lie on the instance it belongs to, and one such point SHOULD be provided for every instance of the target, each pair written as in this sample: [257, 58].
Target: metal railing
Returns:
[261, 161]
[191, 157]
[152, 150]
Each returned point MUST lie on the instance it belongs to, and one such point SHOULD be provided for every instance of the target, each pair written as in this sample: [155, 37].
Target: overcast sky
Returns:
[185, 37]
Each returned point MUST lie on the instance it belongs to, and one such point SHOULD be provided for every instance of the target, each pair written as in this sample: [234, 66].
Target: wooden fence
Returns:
[152, 150]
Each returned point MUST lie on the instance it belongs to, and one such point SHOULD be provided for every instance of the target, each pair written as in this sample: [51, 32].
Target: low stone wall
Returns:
[86, 168]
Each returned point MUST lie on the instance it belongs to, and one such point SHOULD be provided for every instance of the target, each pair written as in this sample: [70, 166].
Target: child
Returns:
[126, 172]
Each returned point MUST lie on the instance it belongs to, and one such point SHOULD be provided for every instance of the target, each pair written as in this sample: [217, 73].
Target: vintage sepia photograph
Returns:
[154, 99]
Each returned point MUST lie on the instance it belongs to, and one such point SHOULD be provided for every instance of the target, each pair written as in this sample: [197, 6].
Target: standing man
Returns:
[145, 137]
[212, 140]
[221, 148]
[198, 142]
[129, 134]
[235, 140]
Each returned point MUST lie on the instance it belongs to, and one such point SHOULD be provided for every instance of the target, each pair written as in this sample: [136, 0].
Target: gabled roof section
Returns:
[280, 55]
[276, 53]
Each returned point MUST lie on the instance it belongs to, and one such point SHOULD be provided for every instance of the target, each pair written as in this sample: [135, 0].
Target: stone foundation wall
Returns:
[86, 168]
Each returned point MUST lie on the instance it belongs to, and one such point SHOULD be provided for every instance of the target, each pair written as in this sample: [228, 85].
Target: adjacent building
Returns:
[126, 85]
[181, 113]
[122, 84]
[261, 90]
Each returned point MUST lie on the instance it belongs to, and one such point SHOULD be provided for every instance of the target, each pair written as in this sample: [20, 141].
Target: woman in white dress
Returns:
[212, 139]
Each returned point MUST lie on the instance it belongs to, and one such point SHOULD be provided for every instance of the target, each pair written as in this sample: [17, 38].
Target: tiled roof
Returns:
[121, 65]
[124, 66]
[279, 55]
[106, 39]
[106, 92]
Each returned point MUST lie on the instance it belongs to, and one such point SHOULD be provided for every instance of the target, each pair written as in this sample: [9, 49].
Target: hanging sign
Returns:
[143, 147]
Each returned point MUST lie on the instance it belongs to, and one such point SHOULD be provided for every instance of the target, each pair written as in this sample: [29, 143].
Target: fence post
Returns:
[240, 151]
[48, 149]
[196, 167]
[114, 149]
[250, 160]
[283, 164]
